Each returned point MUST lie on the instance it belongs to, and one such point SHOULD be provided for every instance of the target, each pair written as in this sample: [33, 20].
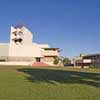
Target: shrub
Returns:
[56, 60]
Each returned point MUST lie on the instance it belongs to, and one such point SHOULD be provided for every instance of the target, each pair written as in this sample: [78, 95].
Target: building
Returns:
[88, 60]
[22, 49]
[93, 59]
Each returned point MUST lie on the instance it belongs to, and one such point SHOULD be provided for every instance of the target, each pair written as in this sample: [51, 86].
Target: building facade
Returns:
[88, 60]
[22, 49]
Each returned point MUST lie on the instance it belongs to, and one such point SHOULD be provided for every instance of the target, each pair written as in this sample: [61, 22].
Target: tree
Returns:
[56, 60]
[61, 61]
[66, 61]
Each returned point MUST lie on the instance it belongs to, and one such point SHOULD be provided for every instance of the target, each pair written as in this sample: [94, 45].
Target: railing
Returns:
[50, 53]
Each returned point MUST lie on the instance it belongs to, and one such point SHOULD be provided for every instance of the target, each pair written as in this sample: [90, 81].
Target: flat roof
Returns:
[91, 55]
[51, 56]
[4, 43]
[51, 48]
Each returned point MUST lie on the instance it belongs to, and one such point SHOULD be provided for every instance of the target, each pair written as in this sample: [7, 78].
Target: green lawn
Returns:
[56, 83]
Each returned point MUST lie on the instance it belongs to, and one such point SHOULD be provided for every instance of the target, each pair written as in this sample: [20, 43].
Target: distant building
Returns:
[88, 60]
[22, 49]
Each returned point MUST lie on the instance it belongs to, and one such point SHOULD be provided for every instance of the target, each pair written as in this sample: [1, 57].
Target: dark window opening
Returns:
[38, 59]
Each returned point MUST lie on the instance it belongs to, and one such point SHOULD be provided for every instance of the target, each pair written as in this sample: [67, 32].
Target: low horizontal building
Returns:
[88, 60]
[22, 49]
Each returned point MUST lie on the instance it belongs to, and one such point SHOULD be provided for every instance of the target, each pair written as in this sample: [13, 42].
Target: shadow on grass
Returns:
[61, 76]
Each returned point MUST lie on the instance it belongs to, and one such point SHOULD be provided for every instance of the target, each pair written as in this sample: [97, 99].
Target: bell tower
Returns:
[20, 37]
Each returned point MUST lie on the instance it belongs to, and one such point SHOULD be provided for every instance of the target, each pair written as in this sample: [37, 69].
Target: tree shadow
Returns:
[52, 76]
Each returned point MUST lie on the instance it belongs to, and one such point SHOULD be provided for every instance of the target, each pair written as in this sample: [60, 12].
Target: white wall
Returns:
[4, 47]
[43, 45]
[16, 63]
[25, 51]
[27, 36]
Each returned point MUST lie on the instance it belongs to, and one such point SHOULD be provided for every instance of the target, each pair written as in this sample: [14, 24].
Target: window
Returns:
[38, 59]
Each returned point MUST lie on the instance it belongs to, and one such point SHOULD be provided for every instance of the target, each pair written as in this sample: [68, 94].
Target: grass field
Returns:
[56, 83]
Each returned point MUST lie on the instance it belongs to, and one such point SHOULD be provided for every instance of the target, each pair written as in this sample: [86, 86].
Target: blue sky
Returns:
[72, 25]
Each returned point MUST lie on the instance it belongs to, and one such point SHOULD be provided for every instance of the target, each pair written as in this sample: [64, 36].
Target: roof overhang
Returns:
[51, 48]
